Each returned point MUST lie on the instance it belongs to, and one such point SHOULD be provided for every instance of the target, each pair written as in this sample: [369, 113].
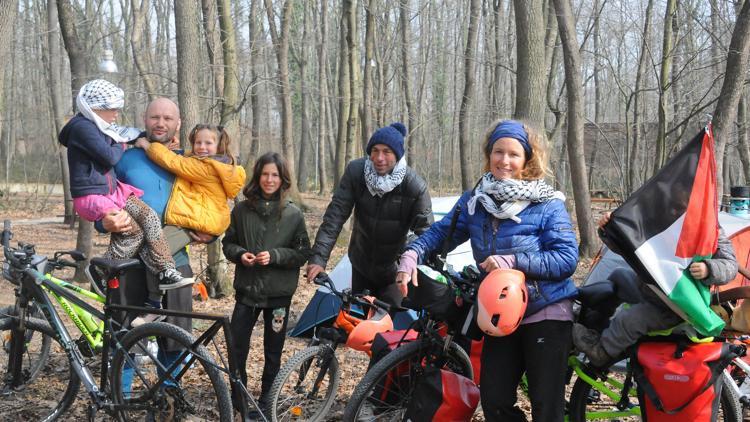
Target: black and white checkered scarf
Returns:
[508, 197]
[380, 185]
[102, 95]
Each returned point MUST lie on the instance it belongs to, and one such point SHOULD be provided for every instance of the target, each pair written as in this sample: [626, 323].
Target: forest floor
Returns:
[39, 220]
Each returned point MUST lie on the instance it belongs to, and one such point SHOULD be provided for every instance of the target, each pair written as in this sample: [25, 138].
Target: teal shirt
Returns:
[136, 169]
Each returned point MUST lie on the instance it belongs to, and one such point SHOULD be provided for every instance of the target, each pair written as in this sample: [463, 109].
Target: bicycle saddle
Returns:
[115, 266]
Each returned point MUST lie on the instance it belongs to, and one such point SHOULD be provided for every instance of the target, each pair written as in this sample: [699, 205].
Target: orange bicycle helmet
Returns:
[362, 331]
[501, 302]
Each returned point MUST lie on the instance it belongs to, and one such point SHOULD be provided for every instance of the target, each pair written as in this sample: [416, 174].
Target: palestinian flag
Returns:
[671, 221]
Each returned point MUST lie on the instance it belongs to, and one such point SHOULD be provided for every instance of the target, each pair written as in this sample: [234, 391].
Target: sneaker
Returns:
[172, 279]
[588, 342]
[145, 318]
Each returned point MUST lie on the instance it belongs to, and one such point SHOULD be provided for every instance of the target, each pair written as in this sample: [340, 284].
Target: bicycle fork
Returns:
[14, 376]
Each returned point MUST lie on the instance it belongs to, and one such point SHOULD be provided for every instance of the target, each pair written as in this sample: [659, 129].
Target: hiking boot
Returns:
[588, 342]
[146, 317]
[172, 279]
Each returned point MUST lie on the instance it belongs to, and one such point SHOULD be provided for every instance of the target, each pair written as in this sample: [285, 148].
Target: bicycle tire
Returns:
[184, 398]
[57, 384]
[393, 408]
[40, 356]
[287, 389]
[582, 401]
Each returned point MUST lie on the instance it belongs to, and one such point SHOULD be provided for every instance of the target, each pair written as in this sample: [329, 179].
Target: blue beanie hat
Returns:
[391, 136]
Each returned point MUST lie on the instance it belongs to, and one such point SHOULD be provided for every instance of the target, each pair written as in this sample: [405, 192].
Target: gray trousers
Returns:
[630, 324]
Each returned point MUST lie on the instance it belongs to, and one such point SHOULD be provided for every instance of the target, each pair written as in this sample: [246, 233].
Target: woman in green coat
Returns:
[267, 240]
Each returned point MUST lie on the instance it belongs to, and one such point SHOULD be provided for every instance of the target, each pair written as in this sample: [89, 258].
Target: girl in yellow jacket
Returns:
[206, 179]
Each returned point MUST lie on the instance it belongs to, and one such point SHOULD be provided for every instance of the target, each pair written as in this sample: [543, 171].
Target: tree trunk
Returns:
[404, 26]
[731, 89]
[140, 57]
[305, 95]
[187, 39]
[213, 43]
[322, 99]
[217, 266]
[572, 59]
[463, 120]
[530, 71]
[664, 78]
[58, 113]
[280, 40]
[633, 181]
[743, 144]
[353, 146]
[367, 127]
[76, 56]
[344, 95]
[254, 87]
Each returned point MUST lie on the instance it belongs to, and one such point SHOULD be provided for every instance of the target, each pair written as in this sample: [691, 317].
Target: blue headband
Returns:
[510, 129]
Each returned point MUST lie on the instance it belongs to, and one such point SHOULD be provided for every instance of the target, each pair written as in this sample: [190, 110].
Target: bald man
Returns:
[162, 121]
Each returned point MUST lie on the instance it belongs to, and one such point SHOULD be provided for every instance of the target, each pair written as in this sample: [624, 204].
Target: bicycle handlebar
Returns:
[322, 279]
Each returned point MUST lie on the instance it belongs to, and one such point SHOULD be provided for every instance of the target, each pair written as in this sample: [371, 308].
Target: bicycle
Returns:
[385, 391]
[611, 393]
[91, 330]
[297, 393]
[159, 388]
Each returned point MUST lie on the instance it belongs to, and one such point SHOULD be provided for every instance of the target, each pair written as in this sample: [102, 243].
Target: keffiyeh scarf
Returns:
[102, 95]
[506, 198]
[380, 185]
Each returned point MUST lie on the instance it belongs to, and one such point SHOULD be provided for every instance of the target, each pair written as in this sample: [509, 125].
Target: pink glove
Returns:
[408, 262]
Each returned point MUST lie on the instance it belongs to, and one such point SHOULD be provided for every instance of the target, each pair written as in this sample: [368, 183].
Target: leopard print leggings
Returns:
[144, 240]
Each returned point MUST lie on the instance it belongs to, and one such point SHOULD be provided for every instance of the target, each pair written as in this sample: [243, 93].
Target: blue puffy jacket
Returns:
[543, 243]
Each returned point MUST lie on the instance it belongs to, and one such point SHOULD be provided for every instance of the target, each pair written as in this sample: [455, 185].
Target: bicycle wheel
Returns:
[57, 383]
[587, 403]
[37, 356]
[195, 392]
[384, 392]
[305, 386]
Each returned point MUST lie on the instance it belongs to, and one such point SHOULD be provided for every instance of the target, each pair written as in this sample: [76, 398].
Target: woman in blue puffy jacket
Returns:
[514, 219]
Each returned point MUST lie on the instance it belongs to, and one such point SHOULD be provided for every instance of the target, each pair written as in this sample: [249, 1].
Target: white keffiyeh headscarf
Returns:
[380, 185]
[102, 95]
[507, 197]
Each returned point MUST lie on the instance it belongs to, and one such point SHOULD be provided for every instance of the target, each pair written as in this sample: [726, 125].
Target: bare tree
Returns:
[280, 38]
[76, 56]
[572, 59]
[322, 98]
[731, 89]
[664, 80]
[464, 135]
[139, 10]
[404, 27]
[637, 95]
[186, 20]
[530, 72]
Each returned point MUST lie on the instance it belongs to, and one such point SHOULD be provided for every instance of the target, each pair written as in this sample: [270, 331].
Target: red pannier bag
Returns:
[679, 381]
[444, 396]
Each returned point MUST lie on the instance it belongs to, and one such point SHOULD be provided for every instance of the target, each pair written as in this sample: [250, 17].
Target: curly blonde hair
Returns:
[537, 167]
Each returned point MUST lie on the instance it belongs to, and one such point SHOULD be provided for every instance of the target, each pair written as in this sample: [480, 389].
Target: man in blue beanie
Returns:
[388, 199]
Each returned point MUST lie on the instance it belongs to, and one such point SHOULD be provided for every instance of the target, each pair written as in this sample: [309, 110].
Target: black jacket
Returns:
[256, 227]
[381, 224]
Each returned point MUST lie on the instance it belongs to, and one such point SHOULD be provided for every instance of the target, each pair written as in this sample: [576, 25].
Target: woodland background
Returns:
[618, 86]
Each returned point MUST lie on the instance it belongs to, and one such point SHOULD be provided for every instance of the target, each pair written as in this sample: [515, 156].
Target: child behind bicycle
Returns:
[267, 240]
[630, 324]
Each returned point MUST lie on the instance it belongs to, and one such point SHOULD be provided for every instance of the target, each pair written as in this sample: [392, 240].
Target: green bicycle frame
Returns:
[609, 387]
[91, 329]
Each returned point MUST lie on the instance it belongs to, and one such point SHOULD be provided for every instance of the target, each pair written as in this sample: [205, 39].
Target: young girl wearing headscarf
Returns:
[95, 144]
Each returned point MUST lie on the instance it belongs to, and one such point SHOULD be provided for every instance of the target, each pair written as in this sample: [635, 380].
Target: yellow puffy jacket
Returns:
[201, 190]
